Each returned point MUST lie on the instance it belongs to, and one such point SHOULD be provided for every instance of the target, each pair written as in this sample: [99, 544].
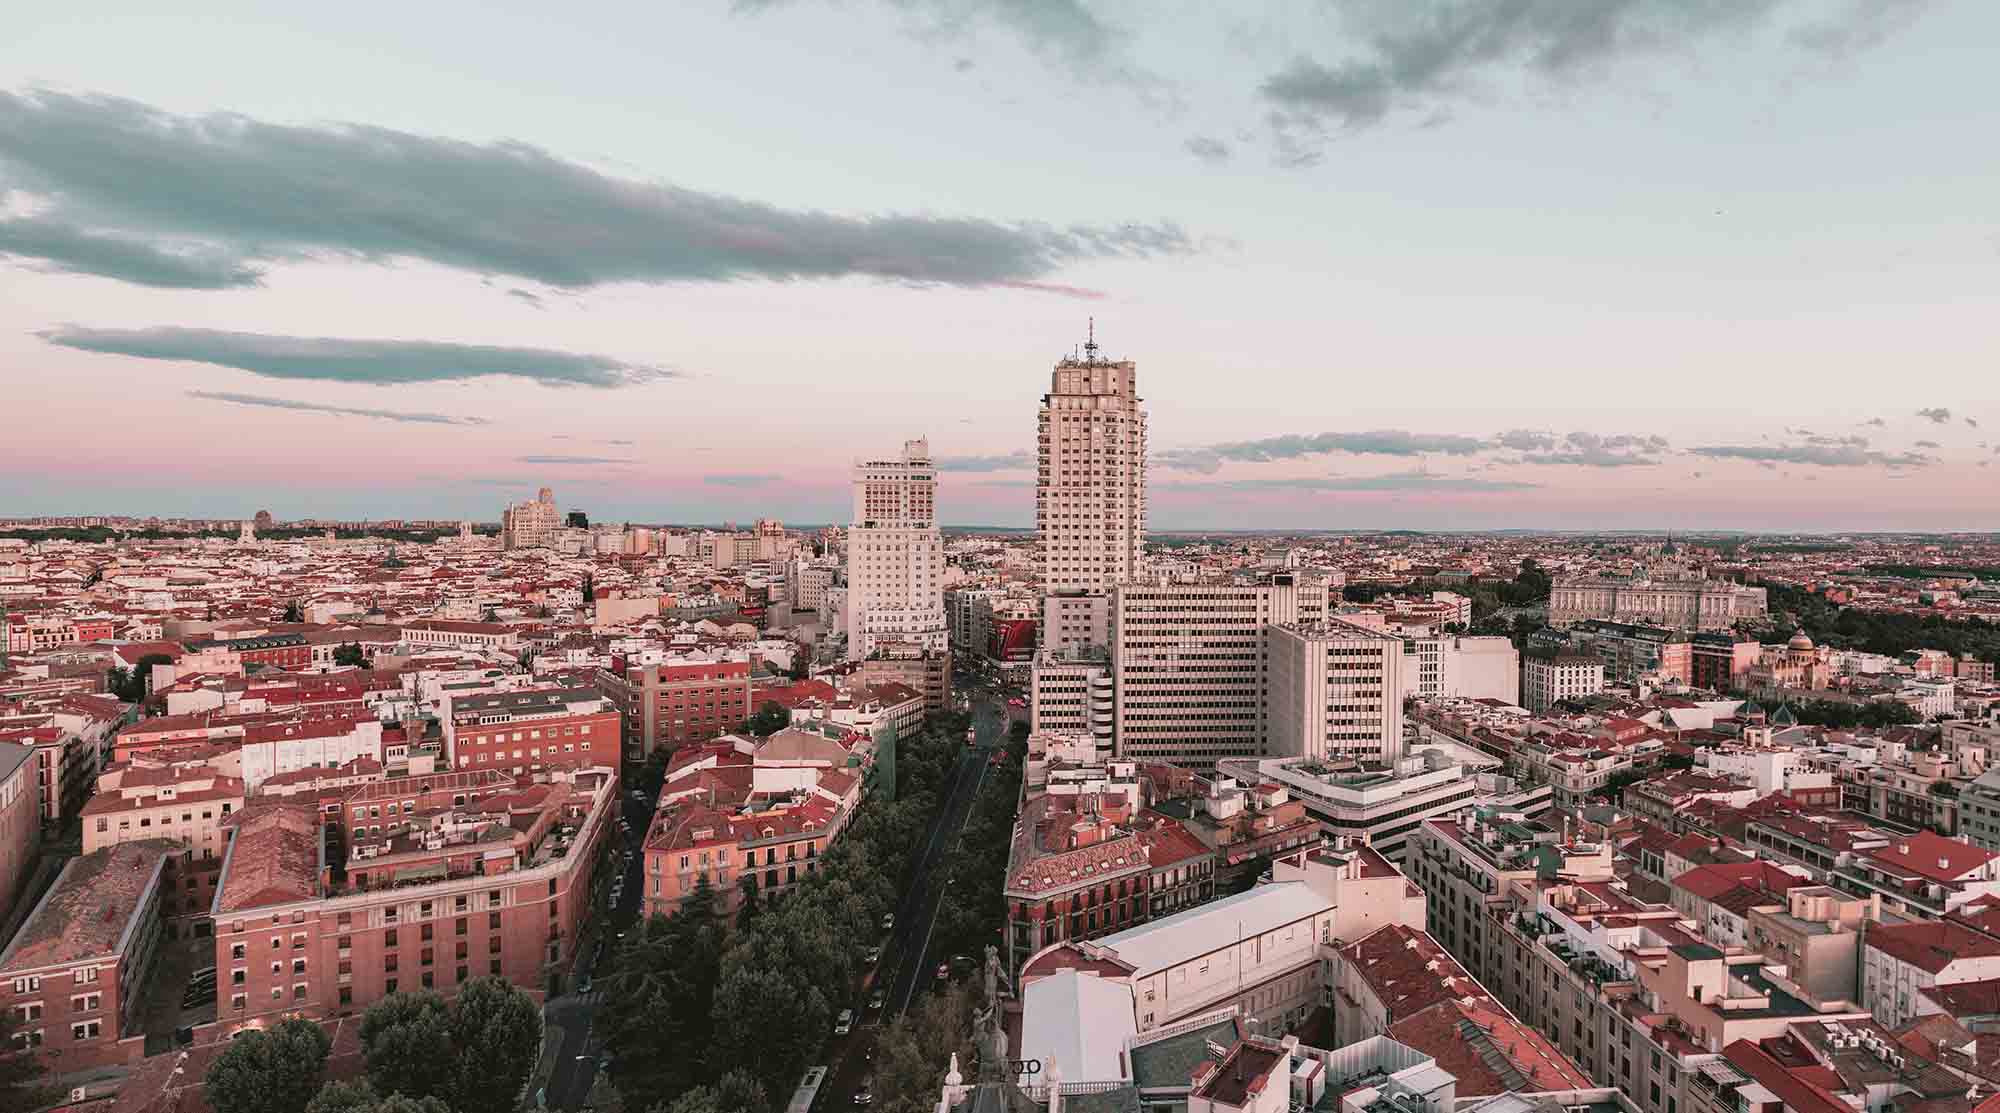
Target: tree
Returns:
[660, 999]
[344, 1097]
[750, 901]
[21, 1071]
[350, 655]
[769, 719]
[496, 1031]
[914, 1051]
[360, 1097]
[129, 685]
[294, 612]
[734, 1092]
[276, 1070]
[771, 1020]
[577, 519]
[407, 1041]
[801, 664]
[489, 615]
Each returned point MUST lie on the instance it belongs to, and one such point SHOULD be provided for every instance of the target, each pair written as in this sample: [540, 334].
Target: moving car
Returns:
[875, 999]
[844, 1023]
[943, 971]
[874, 955]
[888, 921]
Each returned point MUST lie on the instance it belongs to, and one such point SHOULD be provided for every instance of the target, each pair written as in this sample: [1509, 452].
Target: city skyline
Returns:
[1620, 271]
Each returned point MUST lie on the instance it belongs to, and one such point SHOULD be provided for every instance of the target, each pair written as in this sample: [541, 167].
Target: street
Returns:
[576, 1059]
[906, 965]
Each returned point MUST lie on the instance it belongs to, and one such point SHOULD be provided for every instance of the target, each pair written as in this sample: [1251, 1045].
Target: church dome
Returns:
[1799, 641]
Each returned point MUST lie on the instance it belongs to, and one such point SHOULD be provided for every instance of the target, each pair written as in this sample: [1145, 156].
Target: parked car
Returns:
[875, 999]
[888, 921]
[844, 1023]
[874, 955]
[584, 985]
[862, 1096]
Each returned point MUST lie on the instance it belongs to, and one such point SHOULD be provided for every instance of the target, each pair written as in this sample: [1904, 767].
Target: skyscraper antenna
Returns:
[1090, 341]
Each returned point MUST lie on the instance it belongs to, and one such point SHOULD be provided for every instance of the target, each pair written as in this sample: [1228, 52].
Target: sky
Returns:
[1427, 264]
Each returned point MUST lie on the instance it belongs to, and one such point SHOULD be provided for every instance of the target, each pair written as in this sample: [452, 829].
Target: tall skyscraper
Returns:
[528, 525]
[1090, 494]
[895, 558]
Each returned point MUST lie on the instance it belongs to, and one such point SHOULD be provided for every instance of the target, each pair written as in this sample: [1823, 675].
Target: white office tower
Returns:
[1090, 494]
[1191, 675]
[895, 559]
[1336, 692]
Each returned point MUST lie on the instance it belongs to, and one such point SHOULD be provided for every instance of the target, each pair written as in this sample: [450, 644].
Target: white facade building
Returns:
[530, 525]
[895, 558]
[1190, 663]
[1335, 692]
[1546, 681]
[1073, 695]
[1090, 487]
[1379, 807]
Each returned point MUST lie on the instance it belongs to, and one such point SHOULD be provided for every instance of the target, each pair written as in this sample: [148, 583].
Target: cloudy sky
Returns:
[1382, 263]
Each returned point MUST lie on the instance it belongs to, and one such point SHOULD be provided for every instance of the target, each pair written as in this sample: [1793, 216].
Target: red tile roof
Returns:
[1930, 945]
[1933, 856]
[273, 859]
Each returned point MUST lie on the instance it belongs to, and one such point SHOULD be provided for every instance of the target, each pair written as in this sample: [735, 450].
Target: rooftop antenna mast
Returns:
[1090, 342]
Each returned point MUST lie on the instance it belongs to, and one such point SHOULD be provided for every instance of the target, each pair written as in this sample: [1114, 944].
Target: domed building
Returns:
[1800, 666]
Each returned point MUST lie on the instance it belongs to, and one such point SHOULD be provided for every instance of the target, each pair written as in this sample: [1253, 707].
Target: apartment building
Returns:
[1335, 692]
[529, 731]
[1631, 650]
[1547, 680]
[1191, 664]
[1398, 983]
[678, 701]
[20, 819]
[1922, 876]
[895, 557]
[1720, 661]
[72, 974]
[1816, 934]
[775, 844]
[1460, 666]
[1901, 961]
[1626, 990]
[447, 877]
[961, 605]
[909, 665]
[765, 810]
[1467, 863]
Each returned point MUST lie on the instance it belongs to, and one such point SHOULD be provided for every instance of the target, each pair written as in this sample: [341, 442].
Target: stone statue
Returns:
[989, 1036]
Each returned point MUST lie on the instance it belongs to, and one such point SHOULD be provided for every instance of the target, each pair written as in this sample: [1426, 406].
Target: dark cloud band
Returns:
[268, 402]
[134, 193]
[377, 362]
[1379, 442]
[1817, 455]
